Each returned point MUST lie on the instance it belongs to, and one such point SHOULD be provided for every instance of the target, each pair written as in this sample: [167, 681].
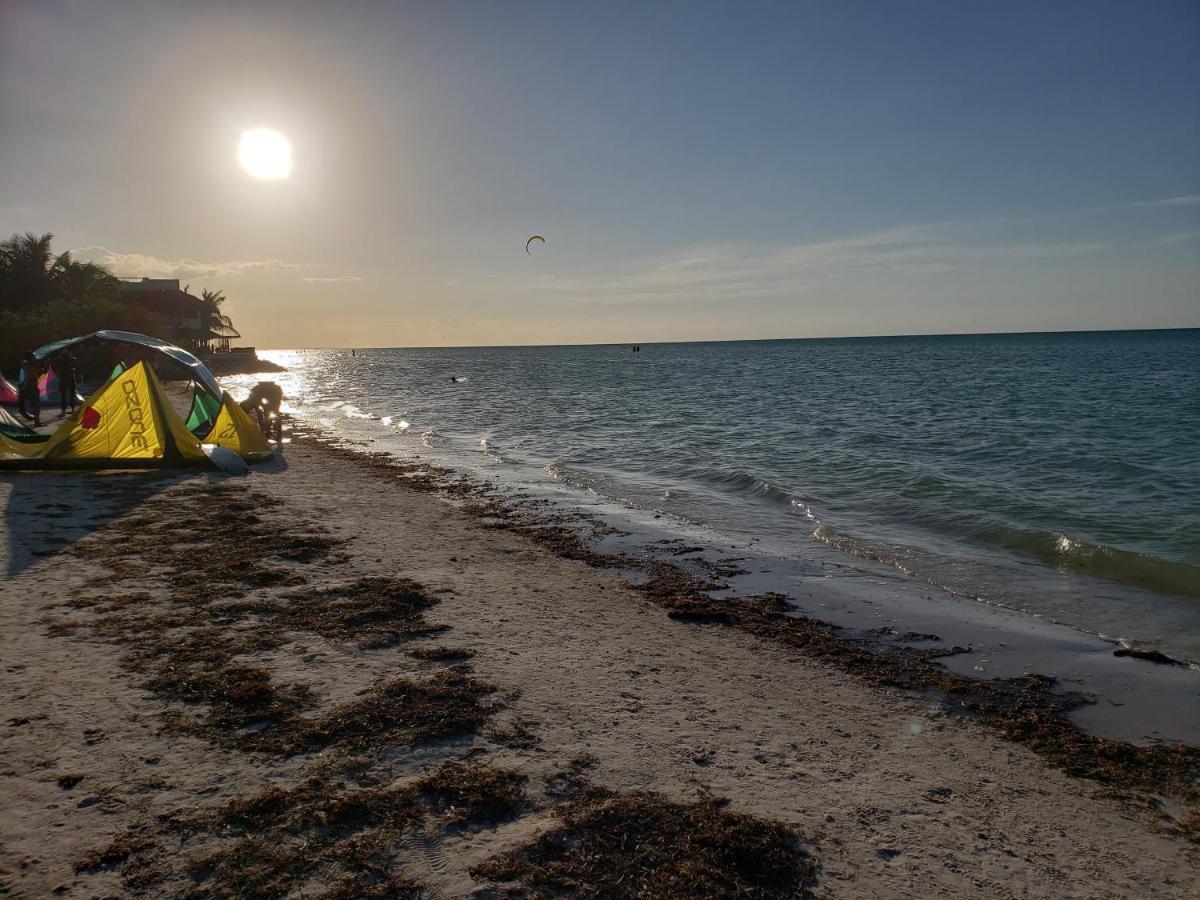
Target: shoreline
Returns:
[692, 586]
[778, 507]
[595, 683]
[1133, 695]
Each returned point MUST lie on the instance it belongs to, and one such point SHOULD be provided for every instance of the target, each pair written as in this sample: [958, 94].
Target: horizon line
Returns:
[832, 337]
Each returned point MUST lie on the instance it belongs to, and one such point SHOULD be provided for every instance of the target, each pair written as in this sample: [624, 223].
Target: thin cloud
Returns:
[332, 279]
[1186, 200]
[730, 271]
[141, 265]
[1181, 237]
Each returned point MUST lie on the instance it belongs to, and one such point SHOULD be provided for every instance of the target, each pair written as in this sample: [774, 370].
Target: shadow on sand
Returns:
[45, 512]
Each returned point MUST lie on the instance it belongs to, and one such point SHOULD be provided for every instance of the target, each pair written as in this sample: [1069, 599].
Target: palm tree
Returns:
[25, 262]
[44, 297]
[219, 325]
[76, 280]
[212, 301]
[31, 276]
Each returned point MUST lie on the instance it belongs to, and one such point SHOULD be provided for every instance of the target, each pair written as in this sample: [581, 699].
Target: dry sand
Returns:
[894, 798]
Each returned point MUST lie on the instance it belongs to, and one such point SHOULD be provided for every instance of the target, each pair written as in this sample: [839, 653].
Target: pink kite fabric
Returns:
[8, 393]
[48, 388]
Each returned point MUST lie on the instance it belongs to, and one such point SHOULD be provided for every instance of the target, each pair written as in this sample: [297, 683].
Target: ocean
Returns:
[1057, 475]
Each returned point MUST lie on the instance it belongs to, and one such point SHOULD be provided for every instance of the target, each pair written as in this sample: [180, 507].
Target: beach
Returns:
[489, 451]
[345, 675]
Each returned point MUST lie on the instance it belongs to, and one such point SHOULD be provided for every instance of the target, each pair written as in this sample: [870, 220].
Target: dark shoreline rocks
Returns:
[240, 364]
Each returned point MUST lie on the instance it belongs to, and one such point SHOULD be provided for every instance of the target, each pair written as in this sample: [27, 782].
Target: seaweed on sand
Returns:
[196, 643]
[442, 654]
[376, 611]
[237, 696]
[464, 793]
[390, 886]
[399, 711]
[346, 838]
[473, 793]
[207, 540]
[247, 712]
[1026, 710]
[117, 851]
[139, 857]
[251, 867]
[571, 782]
[642, 845]
[192, 656]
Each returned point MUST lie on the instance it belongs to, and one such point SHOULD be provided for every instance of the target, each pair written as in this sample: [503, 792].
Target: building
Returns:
[191, 320]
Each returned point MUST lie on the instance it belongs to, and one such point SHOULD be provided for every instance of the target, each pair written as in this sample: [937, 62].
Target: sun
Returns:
[265, 153]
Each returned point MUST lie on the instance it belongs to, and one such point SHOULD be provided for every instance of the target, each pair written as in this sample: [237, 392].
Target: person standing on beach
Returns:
[28, 396]
[63, 366]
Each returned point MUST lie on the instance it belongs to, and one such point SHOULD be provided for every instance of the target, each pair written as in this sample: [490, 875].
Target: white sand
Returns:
[897, 799]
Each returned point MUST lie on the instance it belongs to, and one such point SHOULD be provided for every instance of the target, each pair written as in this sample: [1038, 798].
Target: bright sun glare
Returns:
[264, 153]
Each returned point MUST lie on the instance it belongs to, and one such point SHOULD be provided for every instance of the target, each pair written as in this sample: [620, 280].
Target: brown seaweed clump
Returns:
[1025, 710]
[395, 712]
[642, 845]
[212, 543]
[237, 696]
[139, 857]
[375, 611]
[247, 712]
[346, 837]
[326, 829]
[473, 793]
[193, 656]
[442, 654]
[117, 851]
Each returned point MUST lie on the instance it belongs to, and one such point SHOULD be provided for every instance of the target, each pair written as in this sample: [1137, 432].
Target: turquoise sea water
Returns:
[1054, 473]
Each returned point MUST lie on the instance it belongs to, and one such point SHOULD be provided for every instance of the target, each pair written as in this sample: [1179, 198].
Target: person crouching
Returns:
[264, 403]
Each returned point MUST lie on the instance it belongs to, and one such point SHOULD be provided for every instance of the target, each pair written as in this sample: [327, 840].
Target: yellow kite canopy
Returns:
[128, 422]
[235, 429]
[536, 237]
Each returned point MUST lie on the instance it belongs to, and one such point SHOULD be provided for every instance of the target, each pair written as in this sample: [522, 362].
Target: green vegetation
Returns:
[215, 320]
[45, 297]
[31, 277]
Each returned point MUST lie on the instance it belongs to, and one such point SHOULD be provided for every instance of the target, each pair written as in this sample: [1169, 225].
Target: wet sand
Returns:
[327, 678]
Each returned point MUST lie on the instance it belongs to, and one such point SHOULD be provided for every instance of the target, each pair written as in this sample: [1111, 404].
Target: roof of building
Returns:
[162, 296]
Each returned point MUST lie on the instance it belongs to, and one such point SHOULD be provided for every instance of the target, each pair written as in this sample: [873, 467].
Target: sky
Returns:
[700, 171]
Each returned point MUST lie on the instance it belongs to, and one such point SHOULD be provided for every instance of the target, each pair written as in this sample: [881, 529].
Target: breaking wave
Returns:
[1100, 561]
[745, 484]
